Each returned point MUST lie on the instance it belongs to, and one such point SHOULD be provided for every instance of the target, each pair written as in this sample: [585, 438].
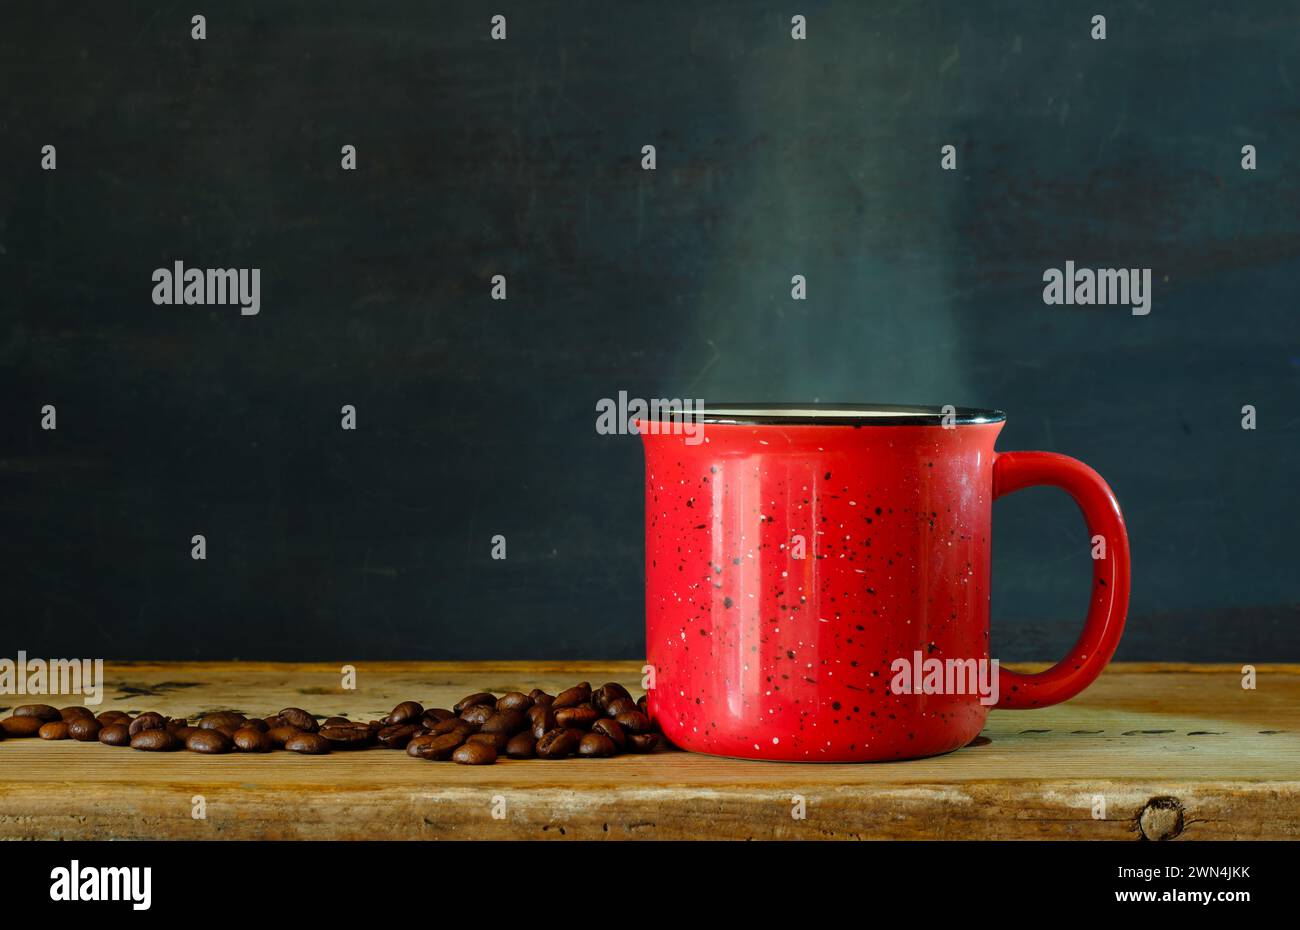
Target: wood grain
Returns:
[1229, 757]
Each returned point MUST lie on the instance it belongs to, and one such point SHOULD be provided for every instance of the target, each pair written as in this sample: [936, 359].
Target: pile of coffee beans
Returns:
[476, 731]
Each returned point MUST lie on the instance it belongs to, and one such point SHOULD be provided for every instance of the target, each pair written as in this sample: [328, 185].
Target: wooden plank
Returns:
[1229, 757]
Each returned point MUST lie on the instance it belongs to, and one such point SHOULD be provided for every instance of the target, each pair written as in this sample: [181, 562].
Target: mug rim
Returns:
[828, 414]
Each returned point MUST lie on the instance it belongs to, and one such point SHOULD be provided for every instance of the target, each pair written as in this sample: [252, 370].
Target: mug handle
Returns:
[1110, 577]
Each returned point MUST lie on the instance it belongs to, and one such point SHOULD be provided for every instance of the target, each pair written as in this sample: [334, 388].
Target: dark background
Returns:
[522, 158]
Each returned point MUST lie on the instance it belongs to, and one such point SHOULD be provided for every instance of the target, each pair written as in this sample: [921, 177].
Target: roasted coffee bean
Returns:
[148, 721]
[257, 723]
[281, 735]
[115, 734]
[54, 729]
[441, 747]
[634, 722]
[521, 746]
[619, 706]
[578, 694]
[474, 754]
[497, 741]
[538, 696]
[221, 720]
[419, 745]
[557, 743]
[642, 742]
[641, 705]
[176, 723]
[436, 714]
[478, 697]
[273, 721]
[183, 733]
[542, 720]
[210, 740]
[514, 700]
[505, 721]
[44, 712]
[610, 691]
[397, 736]
[452, 725]
[478, 714]
[18, 727]
[84, 729]
[405, 712]
[349, 737]
[610, 728]
[156, 739]
[597, 745]
[335, 722]
[113, 716]
[309, 744]
[251, 739]
[72, 713]
[299, 719]
[581, 716]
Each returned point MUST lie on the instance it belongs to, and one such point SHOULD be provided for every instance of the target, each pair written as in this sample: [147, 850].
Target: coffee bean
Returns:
[220, 721]
[505, 721]
[610, 728]
[350, 737]
[71, 713]
[634, 722]
[19, 727]
[497, 741]
[257, 723]
[208, 740]
[273, 721]
[54, 729]
[478, 714]
[309, 744]
[44, 712]
[478, 697]
[183, 733]
[542, 719]
[641, 704]
[251, 739]
[619, 706]
[84, 729]
[396, 737]
[441, 747]
[148, 721]
[418, 745]
[281, 735]
[521, 746]
[556, 744]
[642, 742]
[434, 715]
[597, 745]
[299, 719]
[335, 722]
[177, 723]
[115, 734]
[113, 716]
[514, 700]
[155, 739]
[578, 694]
[538, 696]
[610, 691]
[581, 716]
[451, 725]
[474, 754]
[405, 712]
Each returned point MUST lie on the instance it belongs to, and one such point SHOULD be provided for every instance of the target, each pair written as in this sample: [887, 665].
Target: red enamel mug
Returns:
[817, 579]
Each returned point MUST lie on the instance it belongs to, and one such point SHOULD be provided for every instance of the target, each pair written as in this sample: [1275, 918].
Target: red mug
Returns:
[817, 579]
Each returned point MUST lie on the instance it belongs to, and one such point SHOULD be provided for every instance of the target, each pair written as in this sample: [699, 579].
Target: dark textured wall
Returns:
[521, 158]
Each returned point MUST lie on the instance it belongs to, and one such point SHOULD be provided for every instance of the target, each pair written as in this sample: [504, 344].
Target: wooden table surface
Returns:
[1172, 751]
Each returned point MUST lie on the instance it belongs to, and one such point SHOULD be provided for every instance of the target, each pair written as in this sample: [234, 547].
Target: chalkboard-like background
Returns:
[521, 158]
